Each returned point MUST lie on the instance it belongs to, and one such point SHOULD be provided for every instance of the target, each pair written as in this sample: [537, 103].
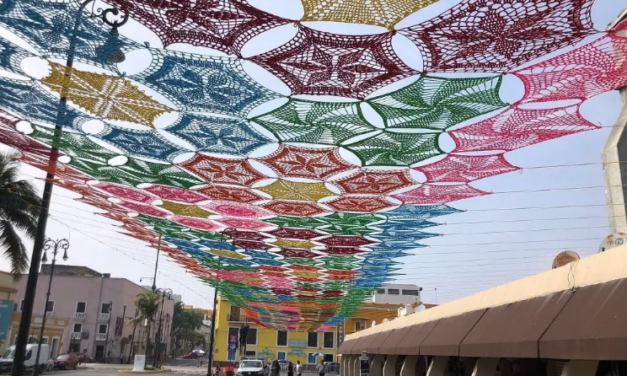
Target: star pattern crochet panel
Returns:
[108, 97]
[217, 134]
[310, 122]
[385, 13]
[207, 84]
[224, 25]
[298, 207]
[498, 35]
[315, 62]
[48, 27]
[439, 103]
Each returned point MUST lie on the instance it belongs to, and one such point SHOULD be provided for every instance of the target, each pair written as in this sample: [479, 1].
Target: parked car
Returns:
[192, 355]
[84, 358]
[252, 367]
[66, 361]
[6, 361]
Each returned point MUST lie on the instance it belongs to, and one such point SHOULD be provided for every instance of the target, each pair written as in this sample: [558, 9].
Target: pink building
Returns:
[98, 308]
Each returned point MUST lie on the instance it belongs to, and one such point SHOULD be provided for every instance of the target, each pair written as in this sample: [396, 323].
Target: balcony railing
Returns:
[76, 335]
[79, 315]
[101, 337]
[236, 318]
[104, 316]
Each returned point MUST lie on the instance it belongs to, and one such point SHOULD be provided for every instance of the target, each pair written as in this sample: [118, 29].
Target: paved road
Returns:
[114, 372]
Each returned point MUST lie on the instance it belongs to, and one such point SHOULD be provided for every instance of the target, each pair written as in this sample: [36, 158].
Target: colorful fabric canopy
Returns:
[295, 206]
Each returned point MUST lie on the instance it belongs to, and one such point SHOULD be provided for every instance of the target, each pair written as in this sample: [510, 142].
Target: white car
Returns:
[252, 367]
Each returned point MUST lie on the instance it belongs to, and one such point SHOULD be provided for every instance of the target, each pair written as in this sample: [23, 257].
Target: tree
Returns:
[184, 323]
[147, 304]
[19, 211]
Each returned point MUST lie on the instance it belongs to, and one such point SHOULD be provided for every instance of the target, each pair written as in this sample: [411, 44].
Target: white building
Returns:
[397, 294]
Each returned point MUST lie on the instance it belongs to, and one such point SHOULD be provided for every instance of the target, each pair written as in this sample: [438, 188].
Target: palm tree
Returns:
[19, 211]
[147, 305]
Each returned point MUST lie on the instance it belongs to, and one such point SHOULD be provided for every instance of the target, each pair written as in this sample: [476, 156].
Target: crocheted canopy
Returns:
[295, 208]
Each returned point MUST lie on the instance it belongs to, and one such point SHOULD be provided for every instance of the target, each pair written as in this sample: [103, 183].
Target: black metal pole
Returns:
[121, 333]
[213, 323]
[154, 279]
[108, 330]
[132, 353]
[33, 273]
[49, 243]
[158, 334]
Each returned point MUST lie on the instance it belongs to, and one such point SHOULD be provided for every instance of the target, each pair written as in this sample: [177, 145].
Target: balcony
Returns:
[236, 318]
[101, 337]
[104, 316]
[76, 335]
[79, 315]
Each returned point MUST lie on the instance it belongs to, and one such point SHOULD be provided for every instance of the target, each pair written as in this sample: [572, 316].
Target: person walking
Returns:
[321, 368]
[299, 368]
[290, 369]
[276, 368]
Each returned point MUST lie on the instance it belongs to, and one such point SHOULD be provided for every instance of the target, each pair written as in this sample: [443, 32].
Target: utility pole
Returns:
[38, 244]
[213, 322]
[62, 244]
[108, 330]
[163, 292]
[154, 279]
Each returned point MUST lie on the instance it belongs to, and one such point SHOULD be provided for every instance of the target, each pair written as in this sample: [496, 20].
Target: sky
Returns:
[517, 231]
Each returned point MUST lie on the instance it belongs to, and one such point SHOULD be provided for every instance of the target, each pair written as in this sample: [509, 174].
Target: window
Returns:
[54, 347]
[29, 354]
[281, 355]
[281, 338]
[312, 339]
[410, 292]
[50, 306]
[360, 325]
[102, 328]
[380, 291]
[44, 341]
[328, 358]
[393, 292]
[81, 307]
[311, 358]
[22, 305]
[78, 328]
[105, 308]
[251, 353]
[328, 340]
[251, 339]
[234, 313]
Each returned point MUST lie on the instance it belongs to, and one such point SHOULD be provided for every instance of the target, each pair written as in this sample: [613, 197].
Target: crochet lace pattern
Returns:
[297, 205]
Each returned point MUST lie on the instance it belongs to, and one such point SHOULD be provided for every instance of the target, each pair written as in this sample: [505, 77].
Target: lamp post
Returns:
[56, 246]
[163, 293]
[39, 241]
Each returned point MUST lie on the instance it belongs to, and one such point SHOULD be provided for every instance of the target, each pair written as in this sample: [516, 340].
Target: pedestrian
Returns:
[121, 357]
[321, 368]
[299, 369]
[275, 368]
[290, 369]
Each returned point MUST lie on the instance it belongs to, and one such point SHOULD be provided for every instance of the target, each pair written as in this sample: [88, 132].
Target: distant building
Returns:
[92, 308]
[8, 291]
[614, 166]
[398, 294]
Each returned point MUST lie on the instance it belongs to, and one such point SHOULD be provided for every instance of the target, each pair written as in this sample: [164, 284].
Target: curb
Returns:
[164, 370]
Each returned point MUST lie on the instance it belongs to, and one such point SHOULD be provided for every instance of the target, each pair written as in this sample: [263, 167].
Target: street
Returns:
[114, 372]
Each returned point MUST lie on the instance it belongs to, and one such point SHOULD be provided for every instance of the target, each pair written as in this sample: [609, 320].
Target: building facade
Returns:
[96, 309]
[306, 347]
[397, 294]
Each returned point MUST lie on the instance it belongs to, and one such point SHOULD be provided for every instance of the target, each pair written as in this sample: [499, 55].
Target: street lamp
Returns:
[111, 53]
[56, 246]
[163, 293]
